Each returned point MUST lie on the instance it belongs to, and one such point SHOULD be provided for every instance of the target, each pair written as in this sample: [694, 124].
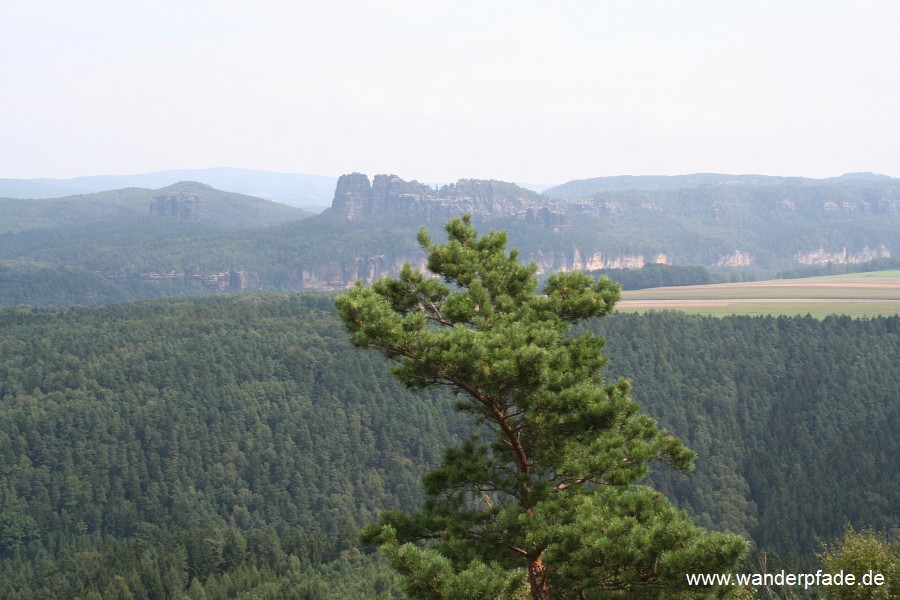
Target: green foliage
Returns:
[555, 447]
[431, 575]
[794, 418]
[880, 264]
[863, 553]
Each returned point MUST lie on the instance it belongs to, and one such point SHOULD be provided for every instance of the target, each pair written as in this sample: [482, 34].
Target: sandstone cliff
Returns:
[356, 198]
[181, 205]
[843, 256]
[715, 227]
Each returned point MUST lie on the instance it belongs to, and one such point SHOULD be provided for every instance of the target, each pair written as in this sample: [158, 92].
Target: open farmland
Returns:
[857, 295]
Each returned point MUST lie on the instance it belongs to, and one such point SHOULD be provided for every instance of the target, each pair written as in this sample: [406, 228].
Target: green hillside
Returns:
[126, 207]
[191, 239]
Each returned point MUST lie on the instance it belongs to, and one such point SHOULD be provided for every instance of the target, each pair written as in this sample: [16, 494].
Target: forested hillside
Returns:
[126, 207]
[236, 444]
[190, 239]
[143, 258]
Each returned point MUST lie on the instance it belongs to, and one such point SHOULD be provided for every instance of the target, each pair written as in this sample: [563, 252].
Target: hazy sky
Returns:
[532, 92]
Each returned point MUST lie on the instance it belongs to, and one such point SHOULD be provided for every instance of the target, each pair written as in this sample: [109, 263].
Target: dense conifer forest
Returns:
[235, 445]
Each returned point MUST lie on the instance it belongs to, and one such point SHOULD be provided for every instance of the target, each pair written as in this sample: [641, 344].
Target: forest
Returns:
[234, 446]
[109, 247]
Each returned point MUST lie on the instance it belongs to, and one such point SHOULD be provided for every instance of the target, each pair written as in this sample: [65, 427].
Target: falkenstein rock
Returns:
[356, 198]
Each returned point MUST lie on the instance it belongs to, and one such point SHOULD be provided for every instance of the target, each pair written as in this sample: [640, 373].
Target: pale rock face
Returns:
[184, 206]
[579, 261]
[576, 260]
[735, 259]
[627, 261]
[843, 256]
[594, 261]
[355, 198]
[342, 275]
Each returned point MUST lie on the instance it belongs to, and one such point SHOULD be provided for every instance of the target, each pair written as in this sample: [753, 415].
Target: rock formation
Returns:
[355, 198]
[181, 205]
[843, 256]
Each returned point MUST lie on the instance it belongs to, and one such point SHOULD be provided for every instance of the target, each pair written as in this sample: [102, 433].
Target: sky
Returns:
[530, 92]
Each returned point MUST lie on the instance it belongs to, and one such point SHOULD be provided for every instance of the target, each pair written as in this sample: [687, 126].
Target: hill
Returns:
[296, 189]
[201, 240]
[124, 207]
[750, 222]
[132, 243]
[585, 188]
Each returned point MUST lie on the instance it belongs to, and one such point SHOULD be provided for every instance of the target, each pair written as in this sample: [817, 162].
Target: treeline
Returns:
[879, 264]
[233, 446]
[654, 275]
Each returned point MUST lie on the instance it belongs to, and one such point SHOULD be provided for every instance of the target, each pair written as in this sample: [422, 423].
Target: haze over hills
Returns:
[744, 221]
[312, 192]
[308, 191]
[584, 188]
[210, 207]
[191, 238]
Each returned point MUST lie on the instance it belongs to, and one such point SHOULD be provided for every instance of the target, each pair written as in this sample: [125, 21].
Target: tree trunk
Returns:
[537, 578]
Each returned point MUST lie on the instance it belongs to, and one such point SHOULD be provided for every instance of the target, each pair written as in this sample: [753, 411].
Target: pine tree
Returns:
[545, 491]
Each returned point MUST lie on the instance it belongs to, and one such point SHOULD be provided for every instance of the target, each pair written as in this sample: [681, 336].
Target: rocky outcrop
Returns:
[181, 205]
[230, 281]
[355, 198]
[843, 256]
[226, 281]
[576, 260]
[340, 275]
[735, 259]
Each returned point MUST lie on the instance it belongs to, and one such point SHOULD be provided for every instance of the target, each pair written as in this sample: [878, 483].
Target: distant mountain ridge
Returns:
[190, 238]
[721, 221]
[220, 209]
[296, 189]
[585, 188]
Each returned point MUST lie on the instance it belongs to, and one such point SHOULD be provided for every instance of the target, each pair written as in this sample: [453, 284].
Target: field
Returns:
[856, 295]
